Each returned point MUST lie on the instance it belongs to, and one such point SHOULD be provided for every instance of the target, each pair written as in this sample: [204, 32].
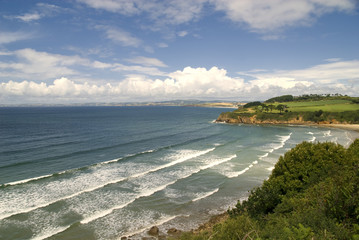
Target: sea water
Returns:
[108, 172]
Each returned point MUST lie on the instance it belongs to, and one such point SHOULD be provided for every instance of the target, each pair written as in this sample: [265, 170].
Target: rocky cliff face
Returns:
[253, 120]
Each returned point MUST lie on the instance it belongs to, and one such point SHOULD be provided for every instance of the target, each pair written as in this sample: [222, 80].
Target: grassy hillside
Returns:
[312, 193]
[338, 105]
[325, 109]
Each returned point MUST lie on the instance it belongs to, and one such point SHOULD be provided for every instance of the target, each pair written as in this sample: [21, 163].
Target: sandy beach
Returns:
[353, 127]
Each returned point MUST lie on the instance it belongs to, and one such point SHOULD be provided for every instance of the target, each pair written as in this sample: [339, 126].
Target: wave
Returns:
[180, 160]
[47, 202]
[49, 234]
[143, 193]
[237, 174]
[25, 180]
[86, 167]
[327, 133]
[282, 142]
[110, 210]
[205, 195]
[313, 139]
[263, 156]
[152, 191]
[104, 148]
[215, 163]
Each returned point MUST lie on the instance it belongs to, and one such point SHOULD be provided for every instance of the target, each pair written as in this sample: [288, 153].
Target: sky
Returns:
[82, 51]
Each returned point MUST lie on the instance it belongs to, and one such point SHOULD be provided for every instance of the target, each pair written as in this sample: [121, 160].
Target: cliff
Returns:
[253, 119]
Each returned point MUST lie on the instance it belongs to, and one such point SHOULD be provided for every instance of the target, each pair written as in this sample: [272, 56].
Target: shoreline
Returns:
[343, 126]
[221, 217]
[352, 127]
[175, 233]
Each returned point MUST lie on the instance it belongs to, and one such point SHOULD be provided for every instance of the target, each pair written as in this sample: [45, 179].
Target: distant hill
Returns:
[325, 109]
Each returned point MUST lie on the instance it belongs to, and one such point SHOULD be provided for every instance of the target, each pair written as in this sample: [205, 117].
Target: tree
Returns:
[271, 107]
[280, 108]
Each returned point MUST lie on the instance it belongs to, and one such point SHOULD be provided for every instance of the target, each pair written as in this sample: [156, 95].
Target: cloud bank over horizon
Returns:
[193, 83]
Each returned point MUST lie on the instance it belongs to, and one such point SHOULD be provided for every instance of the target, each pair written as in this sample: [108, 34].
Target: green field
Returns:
[330, 109]
[324, 105]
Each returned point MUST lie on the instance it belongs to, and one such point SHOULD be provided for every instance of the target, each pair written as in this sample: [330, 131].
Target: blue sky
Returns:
[77, 51]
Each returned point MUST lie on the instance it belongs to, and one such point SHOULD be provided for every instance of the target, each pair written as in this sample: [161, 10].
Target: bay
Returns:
[108, 172]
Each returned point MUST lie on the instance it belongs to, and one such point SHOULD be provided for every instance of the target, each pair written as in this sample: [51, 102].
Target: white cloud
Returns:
[273, 15]
[161, 12]
[332, 59]
[145, 61]
[121, 6]
[268, 17]
[152, 71]
[162, 45]
[122, 37]
[43, 10]
[28, 17]
[9, 37]
[191, 83]
[34, 65]
[182, 33]
[31, 64]
[323, 78]
[62, 87]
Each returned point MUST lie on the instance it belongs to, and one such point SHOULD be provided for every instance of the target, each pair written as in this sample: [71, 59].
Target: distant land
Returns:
[185, 103]
[305, 109]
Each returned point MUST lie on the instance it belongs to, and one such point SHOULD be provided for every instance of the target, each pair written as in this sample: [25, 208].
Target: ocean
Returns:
[108, 172]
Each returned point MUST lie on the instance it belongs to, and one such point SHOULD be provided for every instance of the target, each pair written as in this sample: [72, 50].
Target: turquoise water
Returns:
[108, 172]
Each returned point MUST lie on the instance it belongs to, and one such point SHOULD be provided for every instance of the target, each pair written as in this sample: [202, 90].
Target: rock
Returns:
[174, 231]
[124, 238]
[154, 231]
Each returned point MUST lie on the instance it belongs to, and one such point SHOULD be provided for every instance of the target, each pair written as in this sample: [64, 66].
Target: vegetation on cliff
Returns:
[312, 193]
[302, 109]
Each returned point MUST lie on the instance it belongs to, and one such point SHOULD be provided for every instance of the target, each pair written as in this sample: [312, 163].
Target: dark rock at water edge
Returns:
[154, 231]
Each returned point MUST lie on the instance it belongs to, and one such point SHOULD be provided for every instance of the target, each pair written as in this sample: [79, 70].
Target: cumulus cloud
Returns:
[196, 83]
[189, 83]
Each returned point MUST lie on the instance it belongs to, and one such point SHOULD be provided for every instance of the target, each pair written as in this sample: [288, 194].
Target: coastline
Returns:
[220, 218]
[352, 127]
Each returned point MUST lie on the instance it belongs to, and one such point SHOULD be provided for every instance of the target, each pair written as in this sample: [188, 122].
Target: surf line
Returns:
[60, 199]
[149, 193]
[75, 169]
[143, 194]
[199, 153]
[205, 195]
